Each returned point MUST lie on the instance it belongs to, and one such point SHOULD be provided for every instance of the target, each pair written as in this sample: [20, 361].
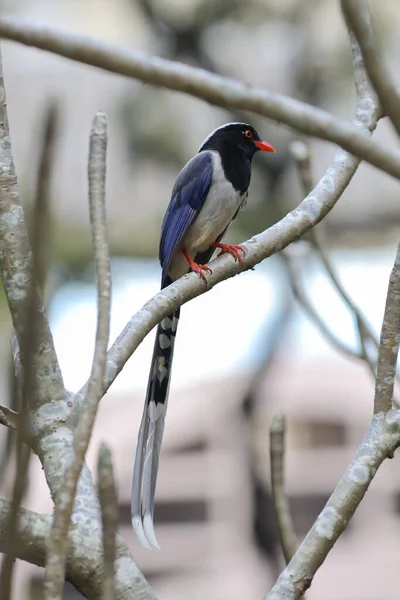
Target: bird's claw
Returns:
[232, 250]
[200, 270]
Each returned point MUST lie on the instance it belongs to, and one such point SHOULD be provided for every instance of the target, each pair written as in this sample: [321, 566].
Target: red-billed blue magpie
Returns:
[208, 194]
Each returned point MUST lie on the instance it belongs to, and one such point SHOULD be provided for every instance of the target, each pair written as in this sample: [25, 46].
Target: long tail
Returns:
[151, 432]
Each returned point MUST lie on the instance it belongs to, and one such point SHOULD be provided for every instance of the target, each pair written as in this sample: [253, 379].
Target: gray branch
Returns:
[215, 89]
[8, 417]
[301, 153]
[54, 574]
[31, 542]
[358, 18]
[380, 442]
[389, 343]
[286, 530]
[312, 313]
[109, 513]
[16, 266]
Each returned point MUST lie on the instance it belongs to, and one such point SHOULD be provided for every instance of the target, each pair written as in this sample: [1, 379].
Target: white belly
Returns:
[219, 208]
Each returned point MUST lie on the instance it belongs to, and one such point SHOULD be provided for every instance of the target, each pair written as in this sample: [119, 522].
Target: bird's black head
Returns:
[236, 144]
[234, 137]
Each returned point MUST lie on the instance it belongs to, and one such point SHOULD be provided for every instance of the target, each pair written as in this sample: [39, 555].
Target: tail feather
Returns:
[151, 432]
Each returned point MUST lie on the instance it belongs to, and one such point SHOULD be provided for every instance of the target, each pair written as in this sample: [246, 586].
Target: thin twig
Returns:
[215, 89]
[365, 333]
[28, 381]
[311, 311]
[8, 417]
[55, 567]
[286, 530]
[358, 19]
[17, 272]
[19, 490]
[389, 343]
[53, 414]
[380, 442]
[362, 324]
[41, 230]
[301, 153]
[109, 513]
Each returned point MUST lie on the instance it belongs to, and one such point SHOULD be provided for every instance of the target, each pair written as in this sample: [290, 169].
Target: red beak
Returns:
[265, 147]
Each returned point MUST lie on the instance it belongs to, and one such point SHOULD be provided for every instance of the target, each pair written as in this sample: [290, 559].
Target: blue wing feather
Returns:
[188, 197]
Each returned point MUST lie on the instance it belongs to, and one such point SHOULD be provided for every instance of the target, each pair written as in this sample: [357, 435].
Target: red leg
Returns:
[233, 250]
[195, 267]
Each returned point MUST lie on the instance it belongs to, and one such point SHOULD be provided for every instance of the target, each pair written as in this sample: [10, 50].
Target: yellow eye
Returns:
[248, 133]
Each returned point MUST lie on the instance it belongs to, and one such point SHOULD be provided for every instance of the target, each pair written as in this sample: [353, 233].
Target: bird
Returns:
[208, 193]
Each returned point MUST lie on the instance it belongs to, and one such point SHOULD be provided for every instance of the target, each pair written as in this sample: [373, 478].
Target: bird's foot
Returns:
[235, 251]
[196, 268]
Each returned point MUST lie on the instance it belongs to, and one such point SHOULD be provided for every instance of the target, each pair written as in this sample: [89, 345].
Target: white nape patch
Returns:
[219, 129]
[161, 369]
[327, 522]
[164, 341]
[155, 411]
[166, 323]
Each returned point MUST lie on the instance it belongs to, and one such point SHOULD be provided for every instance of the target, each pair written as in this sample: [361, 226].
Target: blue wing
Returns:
[188, 197]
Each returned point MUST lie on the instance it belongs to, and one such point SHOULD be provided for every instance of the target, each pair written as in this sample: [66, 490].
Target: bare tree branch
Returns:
[28, 382]
[311, 311]
[358, 19]
[301, 154]
[380, 442]
[8, 417]
[384, 385]
[16, 266]
[286, 530]
[54, 574]
[41, 225]
[310, 212]
[109, 513]
[19, 489]
[389, 343]
[214, 89]
[31, 541]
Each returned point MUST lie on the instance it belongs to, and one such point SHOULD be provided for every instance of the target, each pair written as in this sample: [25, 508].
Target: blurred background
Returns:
[246, 349]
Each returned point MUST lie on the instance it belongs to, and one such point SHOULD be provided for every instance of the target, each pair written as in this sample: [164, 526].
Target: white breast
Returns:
[220, 206]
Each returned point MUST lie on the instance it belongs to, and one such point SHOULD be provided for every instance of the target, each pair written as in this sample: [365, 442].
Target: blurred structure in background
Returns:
[254, 351]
